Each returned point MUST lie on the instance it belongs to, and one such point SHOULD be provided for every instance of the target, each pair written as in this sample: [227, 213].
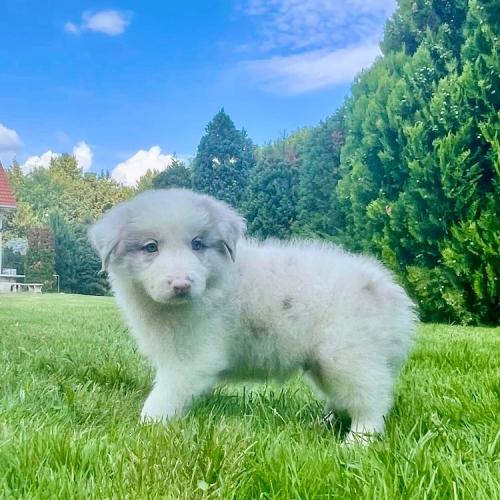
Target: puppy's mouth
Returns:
[179, 299]
[176, 299]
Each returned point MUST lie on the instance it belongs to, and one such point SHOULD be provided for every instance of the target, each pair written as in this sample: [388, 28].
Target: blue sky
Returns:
[126, 84]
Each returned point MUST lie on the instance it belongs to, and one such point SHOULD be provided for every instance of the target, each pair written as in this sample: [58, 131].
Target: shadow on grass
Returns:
[270, 408]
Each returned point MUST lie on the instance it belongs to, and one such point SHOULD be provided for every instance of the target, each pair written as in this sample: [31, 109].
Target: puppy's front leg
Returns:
[173, 392]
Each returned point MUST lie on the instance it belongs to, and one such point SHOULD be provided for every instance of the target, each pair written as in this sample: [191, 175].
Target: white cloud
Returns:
[109, 22]
[131, 170]
[306, 45]
[311, 70]
[71, 28]
[81, 151]
[10, 141]
[314, 24]
[83, 155]
[42, 161]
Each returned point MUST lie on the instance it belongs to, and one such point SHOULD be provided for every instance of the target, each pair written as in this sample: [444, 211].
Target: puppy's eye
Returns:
[150, 247]
[197, 245]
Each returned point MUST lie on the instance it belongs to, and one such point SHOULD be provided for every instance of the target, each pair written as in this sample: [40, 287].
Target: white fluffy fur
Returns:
[277, 308]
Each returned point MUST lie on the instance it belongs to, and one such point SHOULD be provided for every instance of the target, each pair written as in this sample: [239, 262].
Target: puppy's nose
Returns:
[181, 286]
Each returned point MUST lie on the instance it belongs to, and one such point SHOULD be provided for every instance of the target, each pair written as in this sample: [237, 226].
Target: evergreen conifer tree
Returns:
[271, 196]
[224, 160]
[318, 214]
[177, 175]
[76, 262]
[39, 264]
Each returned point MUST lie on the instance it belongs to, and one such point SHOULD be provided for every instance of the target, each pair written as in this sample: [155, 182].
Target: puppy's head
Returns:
[172, 244]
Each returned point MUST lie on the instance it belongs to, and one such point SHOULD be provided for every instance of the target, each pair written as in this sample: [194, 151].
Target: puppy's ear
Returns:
[105, 234]
[229, 224]
[232, 227]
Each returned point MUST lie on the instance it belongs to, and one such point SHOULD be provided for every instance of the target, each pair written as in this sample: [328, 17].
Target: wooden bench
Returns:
[25, 287]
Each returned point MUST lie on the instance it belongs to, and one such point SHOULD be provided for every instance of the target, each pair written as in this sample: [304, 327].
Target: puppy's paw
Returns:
[148, 418]
[155, 411]
[359, 439]
[364, 432]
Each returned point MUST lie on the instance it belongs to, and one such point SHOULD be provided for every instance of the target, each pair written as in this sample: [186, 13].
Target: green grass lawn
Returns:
[72, 385]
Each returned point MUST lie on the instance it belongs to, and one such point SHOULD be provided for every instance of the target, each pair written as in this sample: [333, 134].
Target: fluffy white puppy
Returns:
[206, 305]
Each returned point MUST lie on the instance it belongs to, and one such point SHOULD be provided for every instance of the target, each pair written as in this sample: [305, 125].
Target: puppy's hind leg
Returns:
[359, 388]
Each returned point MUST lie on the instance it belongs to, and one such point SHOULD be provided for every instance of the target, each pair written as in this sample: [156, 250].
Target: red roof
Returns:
[7, 199]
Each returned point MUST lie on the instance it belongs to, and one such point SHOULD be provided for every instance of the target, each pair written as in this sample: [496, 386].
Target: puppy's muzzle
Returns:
[181, 286]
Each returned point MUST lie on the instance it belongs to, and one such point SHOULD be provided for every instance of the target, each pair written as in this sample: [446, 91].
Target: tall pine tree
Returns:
[271, 196]
[224, 160]
[318, 214]
[76, 263]
[419, 169]
[471, 154]
[177, 175]
[39, 266]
